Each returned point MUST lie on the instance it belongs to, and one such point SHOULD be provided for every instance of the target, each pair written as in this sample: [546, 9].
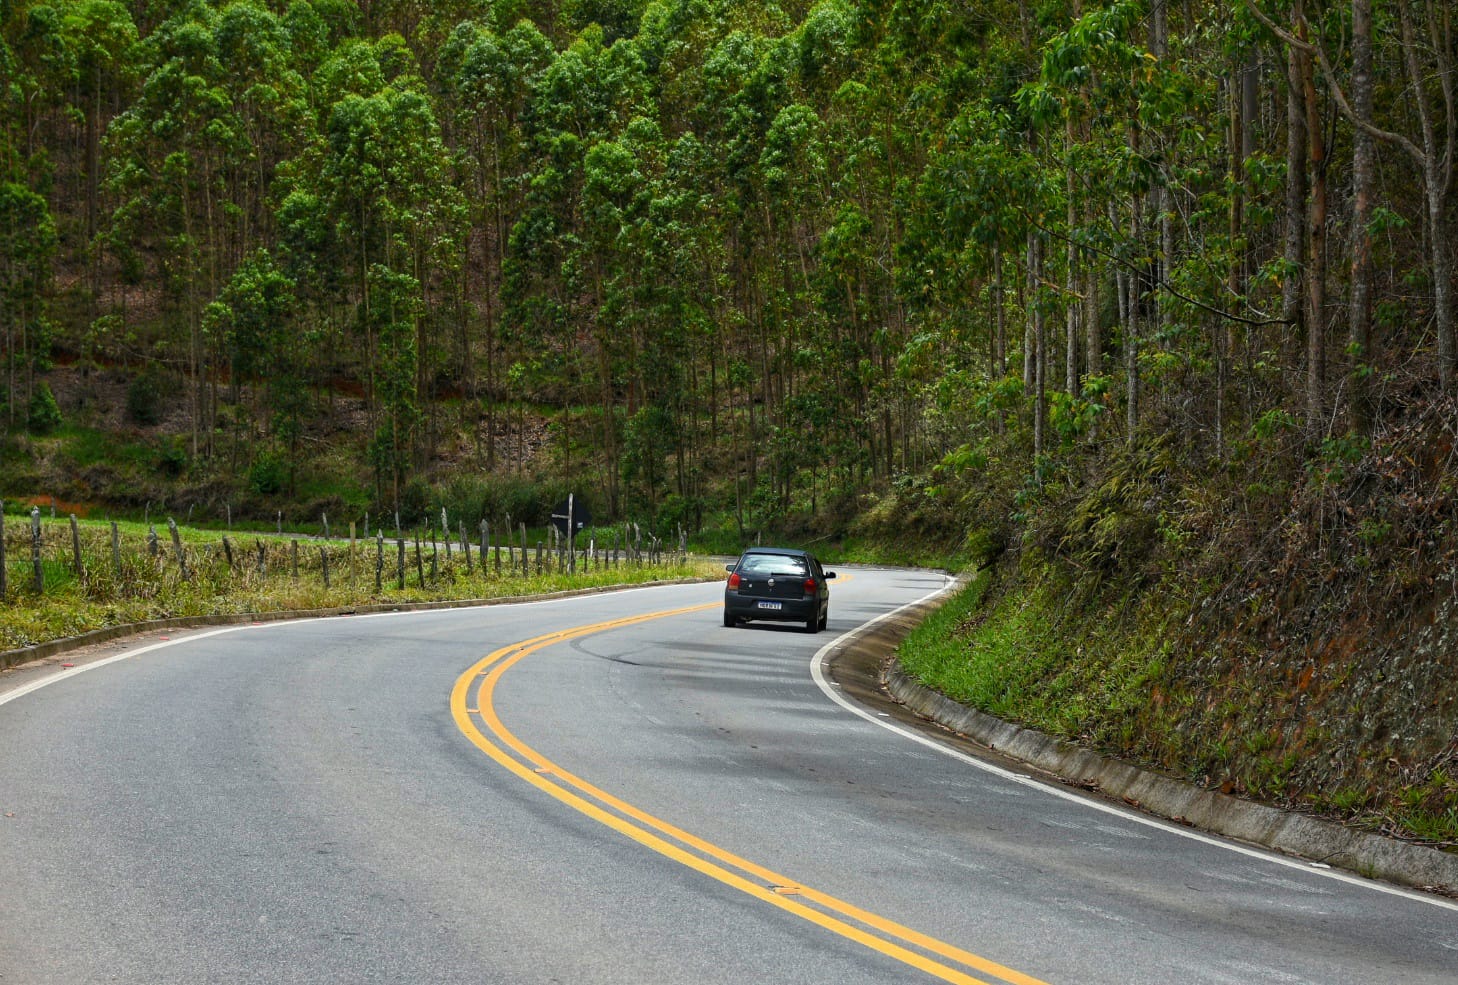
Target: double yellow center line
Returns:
[936, 958]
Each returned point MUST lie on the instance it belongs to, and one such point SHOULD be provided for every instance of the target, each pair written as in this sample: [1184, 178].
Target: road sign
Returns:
[570, 516]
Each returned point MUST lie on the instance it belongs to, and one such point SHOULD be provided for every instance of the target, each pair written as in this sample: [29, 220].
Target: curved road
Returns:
[605, 789]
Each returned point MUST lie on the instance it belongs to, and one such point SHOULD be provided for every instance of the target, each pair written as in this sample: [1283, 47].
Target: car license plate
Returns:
[772, 606]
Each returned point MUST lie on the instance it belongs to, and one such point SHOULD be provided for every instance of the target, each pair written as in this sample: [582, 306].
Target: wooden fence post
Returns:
[152, 548]
[177, 546]
[3, 579]
[353, 575]
[434, 567]
[400, 561]
[485, 536]
[445, 533]
[525, 561]
[325, 518]
[465, 546]
[228, 552]
[76, 549]
[262, 564]
[419, 561]
[379, 557]
[540, 569]
[116, 550]
[35, 549]
[324, 560]
[295, 554]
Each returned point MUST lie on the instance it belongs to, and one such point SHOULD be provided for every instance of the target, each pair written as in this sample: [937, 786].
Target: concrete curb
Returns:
[13, 658]
[1320, 840]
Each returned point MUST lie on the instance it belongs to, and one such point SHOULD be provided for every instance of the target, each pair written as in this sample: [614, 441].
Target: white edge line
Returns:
[817, 671]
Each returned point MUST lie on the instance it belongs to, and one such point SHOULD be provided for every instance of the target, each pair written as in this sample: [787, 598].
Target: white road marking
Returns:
[817, 672]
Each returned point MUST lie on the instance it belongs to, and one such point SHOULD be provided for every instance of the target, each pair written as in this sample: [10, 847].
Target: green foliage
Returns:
[751, 267]
[43, 415]
[144, 398]
[1272, 423]
[1116, 524]
[173, 458]
[267, 476]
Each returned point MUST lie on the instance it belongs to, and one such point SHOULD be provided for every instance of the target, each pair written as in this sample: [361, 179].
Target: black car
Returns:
[780, 584]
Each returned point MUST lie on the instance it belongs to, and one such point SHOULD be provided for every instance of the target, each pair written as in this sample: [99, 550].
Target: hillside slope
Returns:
[1281, 633]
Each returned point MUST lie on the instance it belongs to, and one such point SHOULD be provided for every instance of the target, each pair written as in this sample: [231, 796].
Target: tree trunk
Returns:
[1363, 156]
[1296, 193]
[1071, 313]
[1316, 269]
[1437, 164]
[1038, 328]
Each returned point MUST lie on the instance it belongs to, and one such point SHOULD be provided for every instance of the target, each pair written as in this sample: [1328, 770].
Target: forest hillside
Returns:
[1146, 308]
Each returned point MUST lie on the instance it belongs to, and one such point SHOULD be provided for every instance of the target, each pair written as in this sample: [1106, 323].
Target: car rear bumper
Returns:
[790, 610]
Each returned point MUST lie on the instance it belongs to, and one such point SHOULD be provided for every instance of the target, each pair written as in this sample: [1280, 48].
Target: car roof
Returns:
[791, 551]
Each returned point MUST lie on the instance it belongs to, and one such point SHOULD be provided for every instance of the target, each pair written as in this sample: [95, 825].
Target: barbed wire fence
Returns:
[103, 559]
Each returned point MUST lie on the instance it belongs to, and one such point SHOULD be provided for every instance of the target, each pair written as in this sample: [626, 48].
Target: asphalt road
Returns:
[429, 797]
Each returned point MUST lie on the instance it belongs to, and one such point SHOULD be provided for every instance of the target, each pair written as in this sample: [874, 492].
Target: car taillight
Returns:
[809, 586]
[734, 580]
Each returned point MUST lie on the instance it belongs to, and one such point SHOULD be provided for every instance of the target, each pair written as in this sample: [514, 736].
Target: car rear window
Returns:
[773, 564]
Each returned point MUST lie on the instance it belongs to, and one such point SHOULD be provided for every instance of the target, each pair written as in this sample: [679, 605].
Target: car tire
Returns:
[812, 625]
[729, 621]
[825, 620]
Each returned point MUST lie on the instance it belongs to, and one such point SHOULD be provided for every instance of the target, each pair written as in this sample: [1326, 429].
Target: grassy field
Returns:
[228, 573]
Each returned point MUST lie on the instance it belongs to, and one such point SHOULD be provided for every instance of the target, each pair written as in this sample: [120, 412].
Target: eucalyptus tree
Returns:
[269, 100]
[485, 80]
[614, 205]
[101, 36]
[38, 67]
[170, 155]
[384, 189]
[980, 200]
[268, 347]
[27, 249]
[553, 288]
[1420, 60]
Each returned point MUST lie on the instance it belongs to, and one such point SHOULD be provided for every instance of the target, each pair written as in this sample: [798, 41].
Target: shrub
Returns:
[172, 459]
[267, 475]
[45, 413]
[144, 399]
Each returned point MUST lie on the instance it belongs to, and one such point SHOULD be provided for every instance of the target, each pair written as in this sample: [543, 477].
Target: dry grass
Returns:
[135, 585]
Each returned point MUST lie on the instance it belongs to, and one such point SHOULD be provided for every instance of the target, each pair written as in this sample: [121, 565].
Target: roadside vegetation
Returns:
[1145, 309]
[268, 573]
